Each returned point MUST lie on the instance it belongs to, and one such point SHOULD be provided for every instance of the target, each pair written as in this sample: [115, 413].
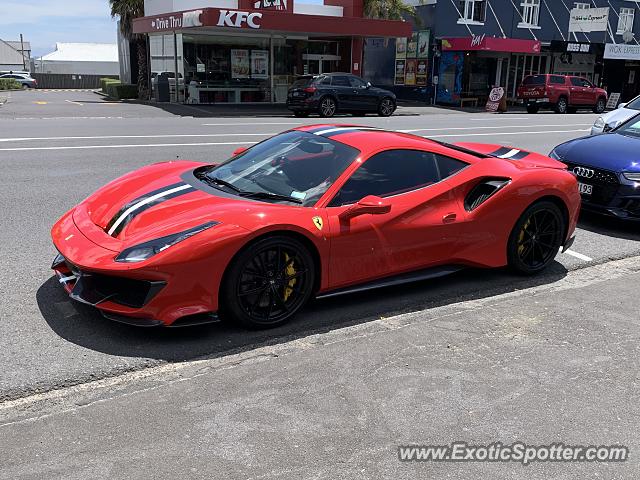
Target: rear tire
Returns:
[536, 238]
[327, 107]
[387, 107]
[268, 282]
[600, 106]
[562, 106]
[533, 108]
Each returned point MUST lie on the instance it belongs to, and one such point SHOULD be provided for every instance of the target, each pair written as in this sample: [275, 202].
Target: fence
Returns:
[58, 80]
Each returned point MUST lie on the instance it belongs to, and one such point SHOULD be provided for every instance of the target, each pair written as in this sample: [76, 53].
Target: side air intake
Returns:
[483, 192]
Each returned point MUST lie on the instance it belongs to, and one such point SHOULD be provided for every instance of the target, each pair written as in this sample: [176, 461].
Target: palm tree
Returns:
[389, 9]
[126, 11]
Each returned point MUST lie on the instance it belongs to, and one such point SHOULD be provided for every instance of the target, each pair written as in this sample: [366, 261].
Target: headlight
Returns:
[634, 177]
[147, 250]
[599, 123]
[555, 155]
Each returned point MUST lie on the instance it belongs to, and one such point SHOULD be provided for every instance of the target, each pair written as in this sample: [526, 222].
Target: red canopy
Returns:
[491, 44]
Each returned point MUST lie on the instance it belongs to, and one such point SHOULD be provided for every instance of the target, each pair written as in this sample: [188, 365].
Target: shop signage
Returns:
[497, 100]
[175, 22]
[576, 47]
[240, 67]
[412, 46]
[621, 51]
[259, 63]
[614, 99]
[423, 43]
[421, 75]
[410, 72]
[270, 5]
[589, 19]
[401, 48]
[234, 18]
[491, 44]
[399, 77]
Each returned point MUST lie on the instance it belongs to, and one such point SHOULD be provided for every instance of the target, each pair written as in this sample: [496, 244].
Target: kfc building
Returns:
[248, 51]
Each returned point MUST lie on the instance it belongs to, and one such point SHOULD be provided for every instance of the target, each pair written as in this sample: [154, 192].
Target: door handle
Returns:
[449, 218]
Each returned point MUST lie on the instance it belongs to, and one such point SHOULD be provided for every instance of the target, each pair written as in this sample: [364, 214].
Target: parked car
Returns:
[24, 79]
[562, 93]
[611, 120]
[319, 210]
[329, 93]
[608, 169]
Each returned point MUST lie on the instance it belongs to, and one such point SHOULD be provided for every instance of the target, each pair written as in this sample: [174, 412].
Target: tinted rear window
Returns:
[302, 82]
[535, 80]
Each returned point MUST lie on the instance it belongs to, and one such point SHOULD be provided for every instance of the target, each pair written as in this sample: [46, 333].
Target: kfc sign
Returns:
[236, 19]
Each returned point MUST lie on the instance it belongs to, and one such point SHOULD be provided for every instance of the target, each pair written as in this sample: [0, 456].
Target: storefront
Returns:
[622, 69]
[471, 66]
[246, 52]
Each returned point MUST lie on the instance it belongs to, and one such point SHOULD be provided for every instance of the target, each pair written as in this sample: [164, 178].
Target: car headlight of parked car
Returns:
[144, 251]
[600, 123]
[633, 176]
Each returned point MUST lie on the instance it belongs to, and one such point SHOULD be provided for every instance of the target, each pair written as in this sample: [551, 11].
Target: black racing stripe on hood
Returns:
[501, 151]
[520, 155]
[123, 223]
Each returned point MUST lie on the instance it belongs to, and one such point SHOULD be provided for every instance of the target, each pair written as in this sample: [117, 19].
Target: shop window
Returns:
[530, 13]
[625, 21]
[472, 11]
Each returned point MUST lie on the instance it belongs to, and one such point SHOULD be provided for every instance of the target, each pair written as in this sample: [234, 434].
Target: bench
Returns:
[471, 100]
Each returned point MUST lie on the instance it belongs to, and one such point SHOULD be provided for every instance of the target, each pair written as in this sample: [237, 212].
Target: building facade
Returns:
[14, 55]
[477, 44]
[246, 51]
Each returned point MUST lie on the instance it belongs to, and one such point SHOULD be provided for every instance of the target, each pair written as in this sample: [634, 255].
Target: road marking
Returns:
[579, 256]
[41, 103]
[494, 127]
[151, 145]
[251, 123]
[75, 103]
[110, 137]
[505, 133]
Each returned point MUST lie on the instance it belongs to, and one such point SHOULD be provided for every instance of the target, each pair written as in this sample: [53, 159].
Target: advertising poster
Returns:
[410, 72]
[399, 78]
[423, 43]
[421, 73]
[240, 63]
[412, 45]
[259, 63]
[401, 48]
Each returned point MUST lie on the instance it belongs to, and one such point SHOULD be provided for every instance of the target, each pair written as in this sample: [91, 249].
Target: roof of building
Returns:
[83, 52]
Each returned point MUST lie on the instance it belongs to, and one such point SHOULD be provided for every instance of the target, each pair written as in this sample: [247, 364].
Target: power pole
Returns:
[24, 64]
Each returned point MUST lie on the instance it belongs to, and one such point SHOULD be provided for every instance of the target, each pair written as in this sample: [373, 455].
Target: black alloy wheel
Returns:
[562, 106]
[268, 283]
[600, 106]
[327, 107]
[387, 107]
[536, 238]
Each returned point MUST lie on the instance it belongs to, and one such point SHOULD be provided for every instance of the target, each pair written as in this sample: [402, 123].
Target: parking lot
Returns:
[57, 147]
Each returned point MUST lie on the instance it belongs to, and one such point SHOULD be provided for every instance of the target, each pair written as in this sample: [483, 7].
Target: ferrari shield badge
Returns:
[317, 221]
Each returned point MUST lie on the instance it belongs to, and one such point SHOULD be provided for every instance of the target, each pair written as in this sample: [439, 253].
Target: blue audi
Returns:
[608, 169]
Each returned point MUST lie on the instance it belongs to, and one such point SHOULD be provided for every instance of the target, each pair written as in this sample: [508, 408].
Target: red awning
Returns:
[271, 20]
[491, 44]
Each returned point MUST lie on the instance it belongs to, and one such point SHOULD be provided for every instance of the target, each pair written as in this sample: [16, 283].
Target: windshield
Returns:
[294, 167]
[633, 104]
[630, 128]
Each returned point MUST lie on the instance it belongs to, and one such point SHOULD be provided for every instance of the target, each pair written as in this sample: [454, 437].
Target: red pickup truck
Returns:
[562, 93]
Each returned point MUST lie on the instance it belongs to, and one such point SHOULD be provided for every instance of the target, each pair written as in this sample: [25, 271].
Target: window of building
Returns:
[530, 12]
[625, 21]
[472, 11]
[394, 172]
[582, 6]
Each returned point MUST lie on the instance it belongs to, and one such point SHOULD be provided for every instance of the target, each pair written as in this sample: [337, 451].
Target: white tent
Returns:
[80, 58]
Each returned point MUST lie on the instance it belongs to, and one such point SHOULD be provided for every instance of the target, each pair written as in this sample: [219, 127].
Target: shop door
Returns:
[316, 64]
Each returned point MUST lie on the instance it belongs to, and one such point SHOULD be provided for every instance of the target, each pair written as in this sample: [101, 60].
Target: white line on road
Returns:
[579, 256]
[505, 133]
[75, 103]
[495, 127]
[111, 137]
[251, 123]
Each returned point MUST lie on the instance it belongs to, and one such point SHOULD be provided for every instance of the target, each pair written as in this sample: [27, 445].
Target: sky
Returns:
[45, 22]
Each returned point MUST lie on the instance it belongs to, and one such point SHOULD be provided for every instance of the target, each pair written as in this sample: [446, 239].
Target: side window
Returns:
[586, 83]
[577, 82]
[394, 172]
[557, 80]
[357, 82]
[325, 81]
[340, 81]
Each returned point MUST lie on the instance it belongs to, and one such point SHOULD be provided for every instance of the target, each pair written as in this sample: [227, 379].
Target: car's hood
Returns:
[154, 202]
[619, 115]
[610, 151]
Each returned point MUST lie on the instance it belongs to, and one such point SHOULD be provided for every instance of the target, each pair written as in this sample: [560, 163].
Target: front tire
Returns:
[268, 282]
[387, 107]
[562, 106]
[327, 107]
[536, 238]
[600, 106]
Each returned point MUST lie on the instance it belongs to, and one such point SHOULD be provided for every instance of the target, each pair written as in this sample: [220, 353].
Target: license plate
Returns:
[543, 100]
[585, 189]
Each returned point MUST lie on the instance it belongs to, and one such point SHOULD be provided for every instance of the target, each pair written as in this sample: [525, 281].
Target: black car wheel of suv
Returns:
[536, 238]
[268, 282]
[600, 106]
[387, 107]
[562, 106]
[327, 107]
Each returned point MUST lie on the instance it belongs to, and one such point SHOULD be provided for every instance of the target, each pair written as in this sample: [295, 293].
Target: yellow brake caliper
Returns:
[521, 237]
[289, 272]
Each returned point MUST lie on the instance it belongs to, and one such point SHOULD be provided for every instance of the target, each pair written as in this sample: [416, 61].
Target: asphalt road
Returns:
[58, 147]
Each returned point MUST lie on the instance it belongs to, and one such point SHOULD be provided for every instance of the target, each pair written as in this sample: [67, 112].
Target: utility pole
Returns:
[24, 64]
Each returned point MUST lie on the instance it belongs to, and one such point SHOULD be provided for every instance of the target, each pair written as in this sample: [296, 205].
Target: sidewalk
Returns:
[553, 363]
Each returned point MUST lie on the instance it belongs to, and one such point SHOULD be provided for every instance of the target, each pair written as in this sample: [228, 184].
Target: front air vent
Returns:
[483, 191]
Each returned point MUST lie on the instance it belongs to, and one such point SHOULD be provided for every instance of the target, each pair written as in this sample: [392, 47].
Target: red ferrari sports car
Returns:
[315, 211]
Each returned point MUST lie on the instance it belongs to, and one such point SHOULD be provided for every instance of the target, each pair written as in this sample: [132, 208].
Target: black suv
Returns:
[329, 93]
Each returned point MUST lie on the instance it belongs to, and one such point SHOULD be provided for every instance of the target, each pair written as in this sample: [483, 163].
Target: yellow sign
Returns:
[317, 221]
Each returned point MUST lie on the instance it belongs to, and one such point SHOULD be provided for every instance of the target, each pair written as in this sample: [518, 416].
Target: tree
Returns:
[126, 11]
[389, 9]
